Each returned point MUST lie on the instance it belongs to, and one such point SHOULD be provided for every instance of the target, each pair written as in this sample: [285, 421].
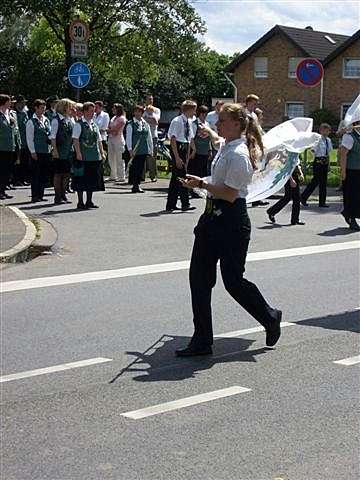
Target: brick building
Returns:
[268, 68]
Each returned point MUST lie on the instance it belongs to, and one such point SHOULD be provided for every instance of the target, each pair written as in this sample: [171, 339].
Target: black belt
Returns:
[216, 207]
[322, 160]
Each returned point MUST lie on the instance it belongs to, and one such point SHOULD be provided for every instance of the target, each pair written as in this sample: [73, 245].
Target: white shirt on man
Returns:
[156, 114]
[30, 130]
[232, 167]
[177, 129]
[102, 120]
[212, 118]
[323, 147]
[348, 141]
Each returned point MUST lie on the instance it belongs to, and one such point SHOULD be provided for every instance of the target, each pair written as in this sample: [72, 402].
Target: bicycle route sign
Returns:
[309, 72]
[79, 75]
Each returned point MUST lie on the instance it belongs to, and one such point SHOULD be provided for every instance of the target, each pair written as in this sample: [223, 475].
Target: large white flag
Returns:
[353, 113]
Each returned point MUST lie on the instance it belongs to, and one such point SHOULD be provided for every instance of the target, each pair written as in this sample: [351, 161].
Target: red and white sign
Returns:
[79, 31]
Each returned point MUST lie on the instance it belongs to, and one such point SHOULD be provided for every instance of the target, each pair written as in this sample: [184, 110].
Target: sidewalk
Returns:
[17, 233]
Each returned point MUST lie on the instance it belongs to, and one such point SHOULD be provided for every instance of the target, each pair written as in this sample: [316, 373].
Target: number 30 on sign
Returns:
[79, 31]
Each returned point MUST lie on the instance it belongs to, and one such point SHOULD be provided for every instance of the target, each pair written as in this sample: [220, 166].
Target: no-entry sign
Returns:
[309, 72]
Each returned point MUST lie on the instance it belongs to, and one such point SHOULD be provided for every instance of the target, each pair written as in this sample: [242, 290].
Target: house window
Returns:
[261, 67]
[294, 109]
[344, 108]
[293, 63]
[351, 68]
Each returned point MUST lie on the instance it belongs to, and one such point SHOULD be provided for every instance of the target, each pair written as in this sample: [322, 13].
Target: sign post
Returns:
[79, 33]
[79, 76]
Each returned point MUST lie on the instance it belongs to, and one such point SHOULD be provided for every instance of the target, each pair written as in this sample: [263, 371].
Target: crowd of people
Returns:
[64, 144]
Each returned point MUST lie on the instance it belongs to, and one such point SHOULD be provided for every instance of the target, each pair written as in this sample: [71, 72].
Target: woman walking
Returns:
[223, 232]
[88, 176]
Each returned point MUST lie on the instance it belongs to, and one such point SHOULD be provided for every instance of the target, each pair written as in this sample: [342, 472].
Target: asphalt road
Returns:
[298, 418]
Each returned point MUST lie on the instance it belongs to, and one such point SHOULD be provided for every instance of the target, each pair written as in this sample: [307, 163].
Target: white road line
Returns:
[55, 368]
[247, 331]
[32, 283]
[184, 402]
[349, 361]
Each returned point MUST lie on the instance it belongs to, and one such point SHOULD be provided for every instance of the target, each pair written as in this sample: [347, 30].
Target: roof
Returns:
[342, 47]
[311, 43]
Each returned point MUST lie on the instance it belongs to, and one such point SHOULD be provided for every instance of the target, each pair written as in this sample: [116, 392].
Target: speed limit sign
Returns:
[79, 31]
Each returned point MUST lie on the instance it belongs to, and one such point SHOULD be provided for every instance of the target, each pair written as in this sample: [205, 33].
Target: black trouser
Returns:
[351, 194]
[225, 238]
[6, 163]
[24, 168]
[320, 173]
[291, 193]
[39, 175]
[175, 187]
[137, 168]
[198, 165]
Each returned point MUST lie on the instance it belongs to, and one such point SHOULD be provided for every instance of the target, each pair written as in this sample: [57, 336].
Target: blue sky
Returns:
[233, 25]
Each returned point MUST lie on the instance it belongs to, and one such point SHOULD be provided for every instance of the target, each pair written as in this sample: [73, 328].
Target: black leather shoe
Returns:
[298, 223]
[81, 206]
[304, 203]
[188, 208]
[271, 217]
[172, 209]
[324, 206]
[191, 351]
[353, 225]
[347, 219]
[8, 196]
[137, 190]
[91, 205]
[273, 332]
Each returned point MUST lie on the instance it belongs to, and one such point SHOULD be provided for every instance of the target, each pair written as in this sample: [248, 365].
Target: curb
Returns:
[19, 252]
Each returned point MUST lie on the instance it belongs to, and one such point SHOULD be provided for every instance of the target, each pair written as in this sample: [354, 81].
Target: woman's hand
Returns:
[79, 158]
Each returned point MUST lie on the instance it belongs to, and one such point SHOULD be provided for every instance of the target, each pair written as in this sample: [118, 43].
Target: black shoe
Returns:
[304, 203]
[2, 196]
[64, 199]
[188, 208]
[353, 225]
[347, 219]
[271, 217]
[35, 200]
[324, 206]
[58, 201]
[273, 332]
[81, 206]
[191, 351]
[43, 199]
[137, 190]
[91, 205]
[7, 196]
[298, 223]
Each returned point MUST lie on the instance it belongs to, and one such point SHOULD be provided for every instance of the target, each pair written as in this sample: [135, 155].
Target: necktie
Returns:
[187, 130]
[326, 147]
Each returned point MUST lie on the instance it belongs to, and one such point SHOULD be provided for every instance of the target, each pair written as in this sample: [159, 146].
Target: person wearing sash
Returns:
[320, 167]
[87, 168]
[62, 144]
[223, 232]
[22, 117]
[139, 144]
[37, 137]
[7, 144]
[182, 147]
[350, 175]
[198, 164]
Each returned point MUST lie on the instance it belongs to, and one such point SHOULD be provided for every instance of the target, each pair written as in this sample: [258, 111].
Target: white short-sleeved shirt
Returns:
[348, 141]
[232, 167]
[177, 128]
[212, 118]
[323, 147]
[55, 125]
[77, 129]
[156, 114]
[102, 120]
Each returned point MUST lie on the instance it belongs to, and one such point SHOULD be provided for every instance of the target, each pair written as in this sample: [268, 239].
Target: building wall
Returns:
[339, 90]
[277, 89]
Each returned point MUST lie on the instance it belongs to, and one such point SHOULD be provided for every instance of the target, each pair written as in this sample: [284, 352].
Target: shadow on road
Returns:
[158, 362]
[153, 364]
[336, 232]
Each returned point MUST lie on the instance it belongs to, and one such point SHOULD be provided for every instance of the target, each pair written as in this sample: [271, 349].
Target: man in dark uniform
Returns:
[23, 170]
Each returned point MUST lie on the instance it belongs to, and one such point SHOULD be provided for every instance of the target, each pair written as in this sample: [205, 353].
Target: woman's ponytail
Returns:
[253, 140]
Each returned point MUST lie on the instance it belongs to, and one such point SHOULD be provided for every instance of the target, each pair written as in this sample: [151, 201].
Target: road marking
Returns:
[55, 368]
[247, 331]
[184, 402]
[349, 361]
[59, 280]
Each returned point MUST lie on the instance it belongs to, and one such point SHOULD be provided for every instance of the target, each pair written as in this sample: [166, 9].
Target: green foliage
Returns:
[324, 116]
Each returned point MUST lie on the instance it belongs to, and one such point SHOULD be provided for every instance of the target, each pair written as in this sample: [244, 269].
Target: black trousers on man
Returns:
[6, 165]
[223, 237]
[136, 169]
[39, 175]
[175, 187]
[291, 193]
[320, 174]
